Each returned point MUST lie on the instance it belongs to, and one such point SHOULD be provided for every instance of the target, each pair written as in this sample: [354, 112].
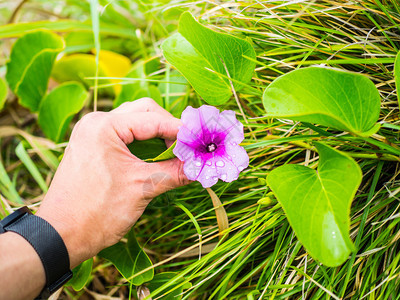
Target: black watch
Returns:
[47, 243]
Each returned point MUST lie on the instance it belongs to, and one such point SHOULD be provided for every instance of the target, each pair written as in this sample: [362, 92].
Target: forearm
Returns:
[23, 274]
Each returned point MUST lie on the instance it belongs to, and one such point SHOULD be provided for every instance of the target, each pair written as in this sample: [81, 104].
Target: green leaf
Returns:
[59, 107]
[81, 275]
[7, 187]
[330, 97]
[137, 89]
[317, 203]
[3, 93]
[397, 75]
[129, 259]
[23, 155]
[203, 55]
[174, 92]
[147, 149]
[30, 65]
[164, 278]
[167, 154]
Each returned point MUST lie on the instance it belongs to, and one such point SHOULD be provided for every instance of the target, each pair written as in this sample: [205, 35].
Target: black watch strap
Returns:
[48, 244]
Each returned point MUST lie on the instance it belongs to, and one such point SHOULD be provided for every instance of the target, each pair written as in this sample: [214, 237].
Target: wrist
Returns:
[70, 234]
[46, 242]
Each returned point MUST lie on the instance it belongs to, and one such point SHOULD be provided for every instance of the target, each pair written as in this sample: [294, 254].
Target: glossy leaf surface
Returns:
[129, 259]
[330, 97]
[317, 203]
[58, 108]
[81, 275]
[203, 56]
[30, 66]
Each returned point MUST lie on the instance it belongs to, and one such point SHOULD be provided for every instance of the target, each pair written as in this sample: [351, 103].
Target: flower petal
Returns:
[226, 169]
[185, 135]
[209, 116]
[191, 120]
[183, 151]
[228, 123]
[232, 163]
[238, 156]
[208, 176]
[199, 120]
[192, 168]
[201, 128]
[205, 174]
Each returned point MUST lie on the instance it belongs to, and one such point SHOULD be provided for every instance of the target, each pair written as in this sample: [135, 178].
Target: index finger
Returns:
[144, 126]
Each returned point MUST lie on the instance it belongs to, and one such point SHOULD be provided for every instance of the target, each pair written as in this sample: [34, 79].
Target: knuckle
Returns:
[93, 123]
[148, 103]
[125, 105]
[92, 118]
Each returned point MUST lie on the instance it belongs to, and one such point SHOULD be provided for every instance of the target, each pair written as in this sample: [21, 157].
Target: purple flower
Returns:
[208, 143]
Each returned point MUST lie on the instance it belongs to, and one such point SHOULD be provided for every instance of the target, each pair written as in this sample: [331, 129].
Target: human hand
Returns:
[99, 190]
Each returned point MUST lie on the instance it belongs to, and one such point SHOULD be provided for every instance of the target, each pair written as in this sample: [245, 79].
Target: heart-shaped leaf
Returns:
[317, 203]
[3, 93]
[397, 75]
[129, 259]
[203, 56]
[30, 65]
[330, 97]
[81, 275]
[58, 108]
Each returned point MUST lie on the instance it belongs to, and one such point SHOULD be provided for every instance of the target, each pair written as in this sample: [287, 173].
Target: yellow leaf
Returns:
[80, 66]
[114, 65]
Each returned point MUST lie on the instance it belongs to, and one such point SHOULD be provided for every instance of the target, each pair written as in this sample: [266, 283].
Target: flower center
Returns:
[211, 147]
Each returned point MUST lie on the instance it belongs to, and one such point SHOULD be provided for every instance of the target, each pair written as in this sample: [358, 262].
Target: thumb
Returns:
[164, 176]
